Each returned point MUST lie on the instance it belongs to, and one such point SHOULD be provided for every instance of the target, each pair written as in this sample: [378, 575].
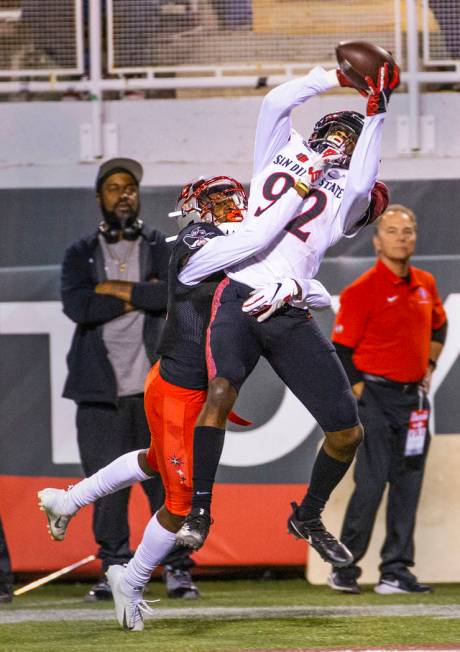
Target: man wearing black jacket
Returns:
[114, 287]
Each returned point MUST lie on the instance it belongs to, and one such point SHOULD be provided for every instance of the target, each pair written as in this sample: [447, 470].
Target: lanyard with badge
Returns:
[417, 430]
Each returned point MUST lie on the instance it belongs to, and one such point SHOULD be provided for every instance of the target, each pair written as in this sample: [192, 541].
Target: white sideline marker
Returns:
[53, 576]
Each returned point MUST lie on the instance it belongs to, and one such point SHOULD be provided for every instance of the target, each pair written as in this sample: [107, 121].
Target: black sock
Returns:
[326, 475]
[208, 443]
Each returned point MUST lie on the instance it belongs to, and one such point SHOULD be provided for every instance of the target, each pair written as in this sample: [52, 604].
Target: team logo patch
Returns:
[197, 238]
[177, 463]
[302, 158]
[423, 294]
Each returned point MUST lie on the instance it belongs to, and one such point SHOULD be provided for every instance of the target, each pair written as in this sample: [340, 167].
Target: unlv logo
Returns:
[197, 238]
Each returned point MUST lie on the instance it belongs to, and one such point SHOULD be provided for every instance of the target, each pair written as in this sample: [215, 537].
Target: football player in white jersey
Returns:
[250, 319]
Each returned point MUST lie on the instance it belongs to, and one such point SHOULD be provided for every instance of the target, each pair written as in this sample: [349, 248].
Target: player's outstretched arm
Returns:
[274, 123]
[256, 234]
[365, 161]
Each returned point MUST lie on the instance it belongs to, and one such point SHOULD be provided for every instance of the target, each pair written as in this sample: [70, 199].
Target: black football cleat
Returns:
[195, 529]
[325, 544]
[99, 592]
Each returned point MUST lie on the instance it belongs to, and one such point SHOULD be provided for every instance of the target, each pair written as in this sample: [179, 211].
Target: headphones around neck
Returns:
[130, 231]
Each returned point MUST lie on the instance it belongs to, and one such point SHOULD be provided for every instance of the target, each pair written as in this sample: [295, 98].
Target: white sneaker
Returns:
[390, 584]
[130, 605]
[54, 502]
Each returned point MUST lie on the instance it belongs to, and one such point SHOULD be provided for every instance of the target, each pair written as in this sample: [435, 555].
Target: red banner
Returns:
[249, 529]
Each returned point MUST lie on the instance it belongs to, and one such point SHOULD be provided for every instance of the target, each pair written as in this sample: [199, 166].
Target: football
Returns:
[360, 59]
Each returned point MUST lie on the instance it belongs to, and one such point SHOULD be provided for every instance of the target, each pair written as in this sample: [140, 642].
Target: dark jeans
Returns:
[384, 412]
[6, 576]
[104, 433]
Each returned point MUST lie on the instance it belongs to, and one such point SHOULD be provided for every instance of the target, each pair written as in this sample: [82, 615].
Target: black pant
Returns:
[6, 576]
[104, 433]
[384, 412]
[295, 348]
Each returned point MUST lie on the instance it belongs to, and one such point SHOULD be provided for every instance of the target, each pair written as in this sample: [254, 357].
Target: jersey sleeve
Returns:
[274, 123]
[439, 316]
[362, 175]
[254, 236]
[351, 319]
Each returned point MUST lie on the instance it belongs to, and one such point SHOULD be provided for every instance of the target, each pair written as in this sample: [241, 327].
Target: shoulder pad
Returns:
[194, 236]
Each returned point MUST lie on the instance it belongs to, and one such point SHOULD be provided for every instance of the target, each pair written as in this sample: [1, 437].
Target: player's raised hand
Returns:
[264, 302]
[318, 165]
[381, 90]
[347, 83]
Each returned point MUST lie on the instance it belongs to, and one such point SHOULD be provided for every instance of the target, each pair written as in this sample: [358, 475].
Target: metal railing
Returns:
[441, 42]
[184, 36]
[41, 39]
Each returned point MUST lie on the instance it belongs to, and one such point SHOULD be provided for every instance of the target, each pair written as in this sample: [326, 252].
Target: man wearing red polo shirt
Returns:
[389, 332]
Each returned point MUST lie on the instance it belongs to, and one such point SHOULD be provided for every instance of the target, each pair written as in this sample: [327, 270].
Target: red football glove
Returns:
[381, 91]
[346, 83]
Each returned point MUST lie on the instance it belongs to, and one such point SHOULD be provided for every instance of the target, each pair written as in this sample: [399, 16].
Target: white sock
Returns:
[156, 543]
[121, 473]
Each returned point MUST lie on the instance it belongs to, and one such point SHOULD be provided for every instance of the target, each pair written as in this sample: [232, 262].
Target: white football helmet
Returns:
[218, 200]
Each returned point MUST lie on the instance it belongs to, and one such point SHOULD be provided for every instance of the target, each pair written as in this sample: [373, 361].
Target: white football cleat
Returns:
[54, 502]
[130, 605]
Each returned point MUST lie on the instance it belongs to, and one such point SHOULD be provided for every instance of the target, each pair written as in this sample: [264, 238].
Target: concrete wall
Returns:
[42, 144]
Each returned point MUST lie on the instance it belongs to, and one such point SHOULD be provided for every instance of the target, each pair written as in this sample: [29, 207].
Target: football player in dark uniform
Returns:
[175, 388]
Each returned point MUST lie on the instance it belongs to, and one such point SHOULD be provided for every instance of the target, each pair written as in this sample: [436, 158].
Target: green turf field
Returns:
[233, 615]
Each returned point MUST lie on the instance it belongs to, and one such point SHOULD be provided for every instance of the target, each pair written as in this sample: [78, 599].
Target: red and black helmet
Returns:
[322, 137]
[207, 200]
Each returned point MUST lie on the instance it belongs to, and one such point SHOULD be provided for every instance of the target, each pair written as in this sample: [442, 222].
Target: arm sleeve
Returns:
[345, 354]
[274, 123]
[351, 319]
[362, 175]
[256, 234]
[439, 334]
[439, 317]
[80, 302]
